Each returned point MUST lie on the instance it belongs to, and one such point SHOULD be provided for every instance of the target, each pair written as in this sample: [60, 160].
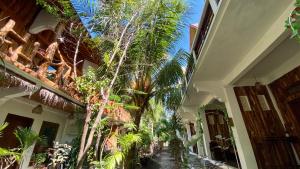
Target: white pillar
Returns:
[200, 145]
[189, 134]
[241, 137]
[206, 136]
[36, 126]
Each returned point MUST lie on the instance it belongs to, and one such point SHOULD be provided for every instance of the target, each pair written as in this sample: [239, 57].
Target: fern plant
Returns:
[116, 157]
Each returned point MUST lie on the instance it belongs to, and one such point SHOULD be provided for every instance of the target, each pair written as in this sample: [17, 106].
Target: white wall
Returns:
[23, 107]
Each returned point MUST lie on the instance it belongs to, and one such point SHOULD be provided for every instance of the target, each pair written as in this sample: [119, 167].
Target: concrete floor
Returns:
[164, 160]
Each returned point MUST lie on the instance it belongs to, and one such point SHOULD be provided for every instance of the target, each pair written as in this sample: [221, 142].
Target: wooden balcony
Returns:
[45, 63]
[200, 38]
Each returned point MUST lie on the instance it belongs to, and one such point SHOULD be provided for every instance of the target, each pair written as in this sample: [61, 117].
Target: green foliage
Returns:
[39, 159]
[111, 161]
[146, 138]
[293, 21]
[127, 140]
[27, 137]
[74, 152]
[89, 84]
[6, 153]
[114, 159]
[61, 8]
[2, 127]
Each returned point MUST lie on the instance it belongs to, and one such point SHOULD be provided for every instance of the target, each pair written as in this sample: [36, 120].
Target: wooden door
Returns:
[8, 139]
[286, 91]
[271, 147]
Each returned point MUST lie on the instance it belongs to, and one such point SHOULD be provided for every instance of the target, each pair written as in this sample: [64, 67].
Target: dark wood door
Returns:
[8, 139]
[271, 147]
[286, 91]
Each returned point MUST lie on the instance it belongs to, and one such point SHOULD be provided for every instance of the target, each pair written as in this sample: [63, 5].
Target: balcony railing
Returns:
[47, 64]
[200, 39]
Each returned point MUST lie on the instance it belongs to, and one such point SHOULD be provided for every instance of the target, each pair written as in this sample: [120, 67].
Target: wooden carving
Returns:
[48, 58]
[5, 30]
[14, 54]
[62, 67]
[33, 54]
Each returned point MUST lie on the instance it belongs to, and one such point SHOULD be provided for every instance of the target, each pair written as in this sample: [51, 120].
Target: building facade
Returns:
[245, 59]
[37, 87]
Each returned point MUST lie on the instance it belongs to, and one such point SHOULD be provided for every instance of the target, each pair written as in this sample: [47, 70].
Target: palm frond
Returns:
[2, 127]
[5, 153]
[27, 137]
[127, 140]
[112, 160]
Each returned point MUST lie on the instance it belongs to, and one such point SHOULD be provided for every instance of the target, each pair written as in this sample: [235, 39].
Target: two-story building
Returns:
[245, 59]
[37, 73]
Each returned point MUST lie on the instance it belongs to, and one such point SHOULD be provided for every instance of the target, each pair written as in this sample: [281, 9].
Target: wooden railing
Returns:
[38, 62]
[200, 39]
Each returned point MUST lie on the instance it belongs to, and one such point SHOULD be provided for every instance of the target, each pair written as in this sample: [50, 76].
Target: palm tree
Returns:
[27, 138]
[165, 85]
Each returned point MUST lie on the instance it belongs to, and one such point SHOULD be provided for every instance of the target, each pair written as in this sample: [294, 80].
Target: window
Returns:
[48, 130]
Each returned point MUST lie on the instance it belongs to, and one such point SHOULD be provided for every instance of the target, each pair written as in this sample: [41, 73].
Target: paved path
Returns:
[164, 160]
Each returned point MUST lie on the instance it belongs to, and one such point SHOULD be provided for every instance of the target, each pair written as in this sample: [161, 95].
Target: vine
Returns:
[293, 21]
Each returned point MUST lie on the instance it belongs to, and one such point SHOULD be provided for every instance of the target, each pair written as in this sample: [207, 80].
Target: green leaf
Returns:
[106, 58]
[115, 98]
[131, 107]
[2, 127]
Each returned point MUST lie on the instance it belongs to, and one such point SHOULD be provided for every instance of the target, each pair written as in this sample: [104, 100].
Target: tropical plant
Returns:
[7, 157]
[134, 38]
[59, 158]
[27, 138]
[38, 160]
[293, 21]
[116, 157]
[174, 129]
[2, 127]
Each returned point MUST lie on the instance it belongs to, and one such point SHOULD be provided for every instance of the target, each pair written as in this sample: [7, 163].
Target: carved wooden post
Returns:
[35, 49]
[43, 68]
[5, 30]
[50, 52]
[62, 66]
[14, 54]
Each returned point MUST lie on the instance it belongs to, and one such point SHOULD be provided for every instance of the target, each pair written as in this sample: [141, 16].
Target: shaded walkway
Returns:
[164, 160]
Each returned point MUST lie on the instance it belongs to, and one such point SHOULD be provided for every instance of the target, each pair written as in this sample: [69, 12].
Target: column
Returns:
[241, 137]
[189, 134]
[206, 136]
[36, 126]
[200, 143]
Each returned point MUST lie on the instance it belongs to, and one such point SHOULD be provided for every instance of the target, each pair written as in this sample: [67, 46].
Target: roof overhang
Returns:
[242, 33]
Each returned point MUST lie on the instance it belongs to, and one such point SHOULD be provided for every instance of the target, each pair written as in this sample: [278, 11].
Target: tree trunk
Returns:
[84, 134]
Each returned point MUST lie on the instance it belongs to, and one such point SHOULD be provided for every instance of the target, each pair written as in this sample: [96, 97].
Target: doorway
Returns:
[286, 91]
[8, 139]
[271, 146]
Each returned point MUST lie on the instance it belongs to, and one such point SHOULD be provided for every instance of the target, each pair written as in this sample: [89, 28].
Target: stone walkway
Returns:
[164, 160]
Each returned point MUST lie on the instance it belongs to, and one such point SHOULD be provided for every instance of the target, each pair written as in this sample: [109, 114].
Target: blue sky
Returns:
[193, 16]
